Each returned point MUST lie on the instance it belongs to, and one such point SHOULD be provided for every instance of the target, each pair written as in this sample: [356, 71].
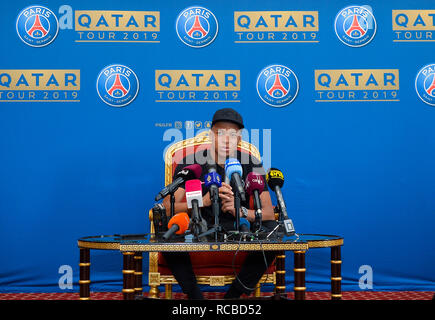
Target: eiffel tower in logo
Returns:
[355, 27]
[117, 85]
[197, 27]
[37, 27]
[277, 86]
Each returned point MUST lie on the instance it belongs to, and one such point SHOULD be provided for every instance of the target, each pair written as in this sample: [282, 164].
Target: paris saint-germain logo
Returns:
[196, 27]
[117, 85]
[355, 26]
[425, 84]
[277, 85]
[37, 26]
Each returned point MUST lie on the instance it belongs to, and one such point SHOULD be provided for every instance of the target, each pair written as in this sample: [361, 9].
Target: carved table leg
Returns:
[280, 274]
[84, 281]
[299, 271]
[138, 273]
[128, 276]
[336, 273]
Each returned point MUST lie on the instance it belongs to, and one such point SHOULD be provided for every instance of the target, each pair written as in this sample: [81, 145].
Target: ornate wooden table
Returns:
[328, 241]
[132, 247]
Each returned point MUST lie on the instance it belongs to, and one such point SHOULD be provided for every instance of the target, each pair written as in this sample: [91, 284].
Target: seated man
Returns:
[225, 136]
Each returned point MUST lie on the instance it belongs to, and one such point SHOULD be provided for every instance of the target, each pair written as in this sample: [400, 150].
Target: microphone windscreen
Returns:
[232, 165]
[212, 178]
[254, 181]
[193, 192]
[182, 220]
[193, 185]
[274, 178]
[196, 169]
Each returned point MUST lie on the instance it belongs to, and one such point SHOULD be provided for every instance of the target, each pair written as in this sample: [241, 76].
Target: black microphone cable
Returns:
[234, 267]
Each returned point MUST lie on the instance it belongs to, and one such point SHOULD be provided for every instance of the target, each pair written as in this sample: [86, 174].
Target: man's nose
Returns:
[225, 138]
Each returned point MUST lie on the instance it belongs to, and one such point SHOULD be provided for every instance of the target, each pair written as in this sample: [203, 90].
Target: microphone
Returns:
[254, 187]
[178, 224]
[234, 171]
[194, 202]
[213, 181]
[275, 180]
[189, 172]
[194, 194]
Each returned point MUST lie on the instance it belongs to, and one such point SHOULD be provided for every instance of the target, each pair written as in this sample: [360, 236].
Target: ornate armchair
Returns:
[214, 269]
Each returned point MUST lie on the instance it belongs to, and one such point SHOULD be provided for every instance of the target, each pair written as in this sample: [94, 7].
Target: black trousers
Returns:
[252, 270]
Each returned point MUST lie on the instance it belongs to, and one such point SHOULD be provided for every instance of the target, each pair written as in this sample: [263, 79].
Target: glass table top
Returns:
[313, 240]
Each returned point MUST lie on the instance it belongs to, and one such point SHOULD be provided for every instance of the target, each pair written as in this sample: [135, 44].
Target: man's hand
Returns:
[206, 200]
[227, 198]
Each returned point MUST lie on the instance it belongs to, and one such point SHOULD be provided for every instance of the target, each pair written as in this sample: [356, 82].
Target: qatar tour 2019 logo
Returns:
[197, 86]
[117, 26]
[37, 26]
[425, 84]
[355, 26]
[117, 85]
[277, 85]
[39, 85]
[196, 27]
[276, 26]
[356, 85]
[413, 25]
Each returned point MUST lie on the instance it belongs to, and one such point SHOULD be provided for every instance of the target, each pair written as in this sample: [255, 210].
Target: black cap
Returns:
[229, 115]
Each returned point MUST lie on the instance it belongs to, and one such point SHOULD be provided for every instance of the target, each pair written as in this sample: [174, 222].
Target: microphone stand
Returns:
[281, 222]
[258, 211]
[215, 208]
[195, 217]
[258, 219]
[237, 206]
[172, 204]
[214, 196]
[280, 219]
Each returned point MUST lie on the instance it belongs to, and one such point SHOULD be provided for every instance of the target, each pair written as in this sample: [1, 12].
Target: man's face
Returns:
[225, 137]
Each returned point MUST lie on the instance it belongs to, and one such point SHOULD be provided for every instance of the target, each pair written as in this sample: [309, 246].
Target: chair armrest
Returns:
[150, 216]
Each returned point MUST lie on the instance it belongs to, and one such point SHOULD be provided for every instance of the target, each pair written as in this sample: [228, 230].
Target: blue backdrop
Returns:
[360, 169]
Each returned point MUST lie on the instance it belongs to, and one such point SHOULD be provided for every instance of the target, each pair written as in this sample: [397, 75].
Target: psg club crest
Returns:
[196, 27]
[425, 84]
[117, 85]
[277, 85]
[355, 26]
[37, 26]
